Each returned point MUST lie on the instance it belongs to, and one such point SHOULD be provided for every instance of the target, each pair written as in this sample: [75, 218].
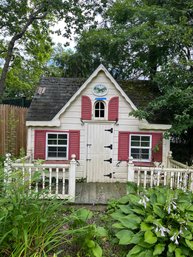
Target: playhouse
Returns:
[91, 119]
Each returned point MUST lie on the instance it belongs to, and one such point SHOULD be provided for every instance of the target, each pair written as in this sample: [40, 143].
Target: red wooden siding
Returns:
[123, 146]
[74, 144]
[40, 144]
[113, 111]
[86, 108]
[157, 141]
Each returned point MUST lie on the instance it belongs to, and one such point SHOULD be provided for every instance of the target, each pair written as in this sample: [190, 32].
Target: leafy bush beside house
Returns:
[155, 222]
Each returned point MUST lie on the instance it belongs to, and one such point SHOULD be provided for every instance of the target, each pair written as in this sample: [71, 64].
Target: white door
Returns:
[99, 152]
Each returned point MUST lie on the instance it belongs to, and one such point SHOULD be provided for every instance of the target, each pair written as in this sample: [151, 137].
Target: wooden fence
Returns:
[174, 176]
[13, 132]
[57, 180]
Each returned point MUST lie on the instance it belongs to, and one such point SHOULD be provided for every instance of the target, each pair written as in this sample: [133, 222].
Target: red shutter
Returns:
[40, 144]
[123, 146]
[157, 141]
[113, 111]
[86, 108]
[74, 144]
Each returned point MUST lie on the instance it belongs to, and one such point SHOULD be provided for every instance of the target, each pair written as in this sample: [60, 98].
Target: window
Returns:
[140, 147]
[99, 109]
[57, 146]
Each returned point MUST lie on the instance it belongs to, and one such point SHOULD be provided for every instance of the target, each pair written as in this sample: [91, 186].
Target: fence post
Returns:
[169, 165]
[72, 177]
[7, 168]
[130, 174]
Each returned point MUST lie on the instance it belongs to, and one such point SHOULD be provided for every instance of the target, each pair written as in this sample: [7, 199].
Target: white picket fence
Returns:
[54, 179]
[177, 175]
[59, 180]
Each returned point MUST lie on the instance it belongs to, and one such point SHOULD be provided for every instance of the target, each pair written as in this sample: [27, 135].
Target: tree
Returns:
[25, 24]
[137, 38]
[69, 63]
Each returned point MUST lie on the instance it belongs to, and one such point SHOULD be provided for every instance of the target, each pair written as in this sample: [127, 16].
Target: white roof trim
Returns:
[50, 123]
[149, 126]
[93, 75]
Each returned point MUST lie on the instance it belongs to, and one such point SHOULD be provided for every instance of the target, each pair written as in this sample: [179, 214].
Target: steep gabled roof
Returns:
[55, 94]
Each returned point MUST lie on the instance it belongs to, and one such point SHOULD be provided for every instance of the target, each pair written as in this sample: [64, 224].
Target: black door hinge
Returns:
[110, 175]
[109, 146]
[109, 160]
[109, 130]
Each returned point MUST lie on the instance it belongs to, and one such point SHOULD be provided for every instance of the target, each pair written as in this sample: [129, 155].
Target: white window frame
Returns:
[105, 110]
[141, 147]
[47, 145]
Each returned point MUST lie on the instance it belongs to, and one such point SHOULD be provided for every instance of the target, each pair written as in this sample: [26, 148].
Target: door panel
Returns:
[99, 152]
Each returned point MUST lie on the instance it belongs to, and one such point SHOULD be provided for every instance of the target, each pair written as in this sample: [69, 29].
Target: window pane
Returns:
[97, 113]
[52, 149]
[52, 139]
[145, 138]
[135, 138]
[145, 151]
[52, 136]
[145, 141]
[144, 156]
[62, 142]
[62, 136]
[145, 144]
[101, 105]
[52, 154]
[52, 142]
[102, 114]
[134, 143]
[135, 153]
[62, 154]
[97, 106]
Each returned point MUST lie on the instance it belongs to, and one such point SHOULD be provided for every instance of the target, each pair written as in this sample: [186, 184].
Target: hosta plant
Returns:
[155, 222]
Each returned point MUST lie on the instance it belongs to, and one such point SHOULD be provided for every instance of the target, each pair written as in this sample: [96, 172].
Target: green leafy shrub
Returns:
[84, 234]
[155, 222]
[32, 225]
[29, 225]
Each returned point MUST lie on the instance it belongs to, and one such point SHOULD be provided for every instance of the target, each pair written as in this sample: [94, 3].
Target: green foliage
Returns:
[33, 225]
[175, 104]
[28, 224]
[84, 235]
[139, 37]
[155, 222]
[25, 45]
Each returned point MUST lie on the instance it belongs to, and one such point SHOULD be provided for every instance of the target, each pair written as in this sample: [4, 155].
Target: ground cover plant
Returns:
[154, 222]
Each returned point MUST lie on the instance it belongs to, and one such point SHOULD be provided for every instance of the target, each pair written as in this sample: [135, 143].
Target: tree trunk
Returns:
[6, 65]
